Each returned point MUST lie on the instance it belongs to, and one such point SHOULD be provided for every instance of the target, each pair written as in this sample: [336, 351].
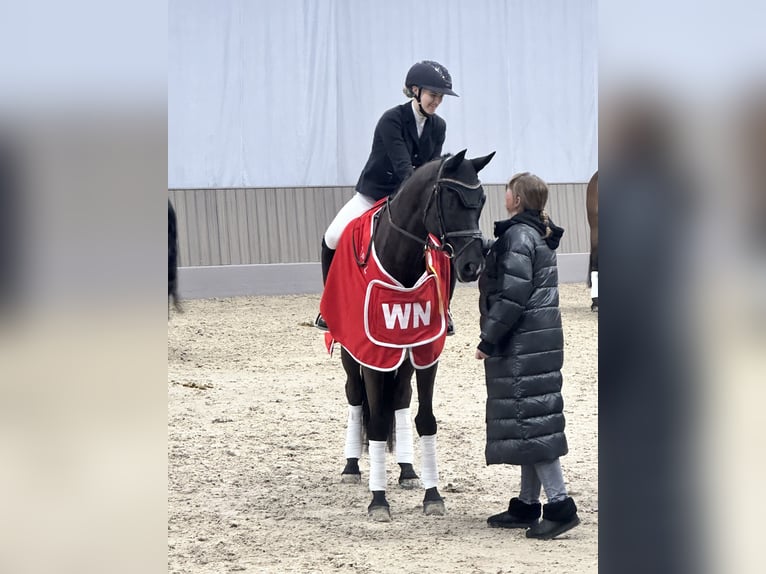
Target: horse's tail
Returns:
[391, 422]
[365, 415]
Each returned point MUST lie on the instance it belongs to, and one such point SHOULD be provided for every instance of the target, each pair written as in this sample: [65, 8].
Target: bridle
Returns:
[443, 235]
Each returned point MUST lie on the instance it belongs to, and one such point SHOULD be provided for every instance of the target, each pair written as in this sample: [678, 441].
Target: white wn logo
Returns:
[401, 314]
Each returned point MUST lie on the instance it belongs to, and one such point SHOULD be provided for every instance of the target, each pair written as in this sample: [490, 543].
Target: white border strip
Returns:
[304, 278]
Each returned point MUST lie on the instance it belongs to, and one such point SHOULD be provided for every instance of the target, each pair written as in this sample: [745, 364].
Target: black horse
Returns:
[443, 198]
[173, 258]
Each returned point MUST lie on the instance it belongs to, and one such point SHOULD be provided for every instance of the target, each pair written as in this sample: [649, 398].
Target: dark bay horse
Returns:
[591, 205]
[444, 199]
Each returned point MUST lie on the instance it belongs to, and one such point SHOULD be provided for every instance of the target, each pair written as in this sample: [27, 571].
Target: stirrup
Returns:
[450, 324]
[320, 324]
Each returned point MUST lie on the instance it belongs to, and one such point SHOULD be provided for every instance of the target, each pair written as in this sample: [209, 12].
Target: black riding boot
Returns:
[327, 255]
[452, 283]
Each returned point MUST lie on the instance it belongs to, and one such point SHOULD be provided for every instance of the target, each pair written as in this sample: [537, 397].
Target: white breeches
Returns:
[354, 207]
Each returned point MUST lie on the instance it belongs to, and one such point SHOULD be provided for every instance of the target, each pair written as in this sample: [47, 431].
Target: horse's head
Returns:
[454, 209]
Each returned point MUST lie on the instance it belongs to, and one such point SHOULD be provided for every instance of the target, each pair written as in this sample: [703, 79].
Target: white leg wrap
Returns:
[594, 283]
[354, 432]
[377, 465]
[403, 447]
[429, 472]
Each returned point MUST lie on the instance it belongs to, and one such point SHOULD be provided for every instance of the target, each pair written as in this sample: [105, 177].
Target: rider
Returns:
[406, 137]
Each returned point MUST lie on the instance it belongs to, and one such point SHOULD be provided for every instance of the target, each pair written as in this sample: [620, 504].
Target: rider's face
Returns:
[430, 100]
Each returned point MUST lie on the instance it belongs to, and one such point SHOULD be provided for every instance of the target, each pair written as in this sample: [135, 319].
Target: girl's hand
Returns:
[481, 356]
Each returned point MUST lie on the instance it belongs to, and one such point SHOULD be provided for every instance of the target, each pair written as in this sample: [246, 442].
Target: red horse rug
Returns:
[373, 316]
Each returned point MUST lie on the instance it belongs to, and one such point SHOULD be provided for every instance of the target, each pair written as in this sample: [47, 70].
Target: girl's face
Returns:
[512, 201]
[430, 100]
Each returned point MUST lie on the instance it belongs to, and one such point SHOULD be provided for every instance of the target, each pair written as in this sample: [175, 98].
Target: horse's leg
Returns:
[594, 277]
[591, 206]
[380, 402]
[425, 421]
[403, 448]
[355, 396]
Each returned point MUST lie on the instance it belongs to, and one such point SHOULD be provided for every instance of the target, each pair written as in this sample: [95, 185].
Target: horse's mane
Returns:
[428, 171]
[423, 173]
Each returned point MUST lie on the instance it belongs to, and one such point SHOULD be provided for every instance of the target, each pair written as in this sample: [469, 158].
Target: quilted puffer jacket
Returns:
[521, 332]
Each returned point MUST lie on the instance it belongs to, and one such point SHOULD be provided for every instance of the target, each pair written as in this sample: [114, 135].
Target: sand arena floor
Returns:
[256, 422]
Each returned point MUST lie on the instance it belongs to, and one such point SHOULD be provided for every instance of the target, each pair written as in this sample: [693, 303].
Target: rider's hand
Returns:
[481, 356]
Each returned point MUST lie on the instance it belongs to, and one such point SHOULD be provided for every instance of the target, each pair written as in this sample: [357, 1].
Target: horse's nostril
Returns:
[470, 270]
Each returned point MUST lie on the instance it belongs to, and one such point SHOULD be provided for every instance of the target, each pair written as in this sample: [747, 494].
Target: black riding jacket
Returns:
[397, 150]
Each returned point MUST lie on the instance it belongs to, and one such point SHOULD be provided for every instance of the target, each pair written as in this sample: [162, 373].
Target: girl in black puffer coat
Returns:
[522, 345]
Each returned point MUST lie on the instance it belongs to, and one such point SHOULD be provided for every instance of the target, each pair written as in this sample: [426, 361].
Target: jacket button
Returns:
[416, 156]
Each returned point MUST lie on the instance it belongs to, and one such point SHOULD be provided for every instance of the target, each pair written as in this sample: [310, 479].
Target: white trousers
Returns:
[354, 207]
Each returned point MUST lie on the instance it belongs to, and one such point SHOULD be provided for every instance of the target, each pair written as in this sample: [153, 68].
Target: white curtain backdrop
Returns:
[273, 93]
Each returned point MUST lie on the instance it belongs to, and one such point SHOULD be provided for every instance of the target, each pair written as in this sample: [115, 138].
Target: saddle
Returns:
[373, 316]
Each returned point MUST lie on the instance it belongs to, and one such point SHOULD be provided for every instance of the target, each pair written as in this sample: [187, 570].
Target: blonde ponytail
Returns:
[546, 222]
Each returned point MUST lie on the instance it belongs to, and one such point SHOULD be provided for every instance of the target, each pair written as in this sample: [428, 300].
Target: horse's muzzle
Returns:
[470, 271]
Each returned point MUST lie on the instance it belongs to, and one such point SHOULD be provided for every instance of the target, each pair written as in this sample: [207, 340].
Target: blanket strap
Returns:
[363, 262]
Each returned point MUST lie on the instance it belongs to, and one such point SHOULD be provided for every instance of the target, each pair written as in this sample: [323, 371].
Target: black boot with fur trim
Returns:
[558, 517]
[519, 515]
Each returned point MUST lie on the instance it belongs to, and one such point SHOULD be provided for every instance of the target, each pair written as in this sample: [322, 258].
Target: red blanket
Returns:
[372, 315]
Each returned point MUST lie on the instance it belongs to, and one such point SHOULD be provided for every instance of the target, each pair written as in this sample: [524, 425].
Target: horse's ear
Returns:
[480, 162]
[453, 161]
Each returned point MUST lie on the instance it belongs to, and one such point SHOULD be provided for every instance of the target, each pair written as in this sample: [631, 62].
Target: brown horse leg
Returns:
[425, 421]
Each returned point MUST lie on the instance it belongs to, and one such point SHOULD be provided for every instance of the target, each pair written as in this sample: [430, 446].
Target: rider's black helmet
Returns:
[430, 75]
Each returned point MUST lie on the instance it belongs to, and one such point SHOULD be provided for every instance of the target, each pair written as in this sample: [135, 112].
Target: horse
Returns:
[173, 259]
[591, 205]
[435, 213]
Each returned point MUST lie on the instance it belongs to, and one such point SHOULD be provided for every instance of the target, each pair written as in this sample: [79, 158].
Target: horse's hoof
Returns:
[379, 513]
[434, 508]
[409, 483]
[350, 478]
[408, 478]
